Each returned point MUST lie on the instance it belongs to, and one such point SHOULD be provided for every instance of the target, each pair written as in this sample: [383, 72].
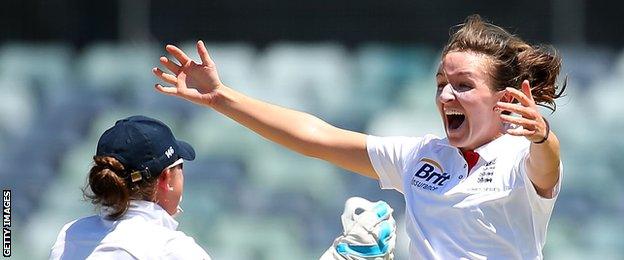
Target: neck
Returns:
[479, 144]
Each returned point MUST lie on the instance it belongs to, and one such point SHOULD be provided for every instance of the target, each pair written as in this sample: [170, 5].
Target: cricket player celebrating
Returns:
[485, 191]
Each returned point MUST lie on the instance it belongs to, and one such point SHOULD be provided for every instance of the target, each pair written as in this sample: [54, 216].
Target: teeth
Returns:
[452, 113]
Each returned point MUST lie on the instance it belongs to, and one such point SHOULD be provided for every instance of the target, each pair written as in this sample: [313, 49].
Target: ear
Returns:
[163, 180]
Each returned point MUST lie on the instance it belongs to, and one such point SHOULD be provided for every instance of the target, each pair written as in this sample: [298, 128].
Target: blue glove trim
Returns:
[369, 251]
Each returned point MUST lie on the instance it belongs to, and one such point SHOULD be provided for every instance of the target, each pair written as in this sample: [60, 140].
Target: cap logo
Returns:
[169, 152]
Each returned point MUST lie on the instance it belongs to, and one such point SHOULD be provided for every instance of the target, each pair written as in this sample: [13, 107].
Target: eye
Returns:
[464, 87]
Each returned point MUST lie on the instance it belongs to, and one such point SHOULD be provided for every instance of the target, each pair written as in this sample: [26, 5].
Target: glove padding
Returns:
[369, 232]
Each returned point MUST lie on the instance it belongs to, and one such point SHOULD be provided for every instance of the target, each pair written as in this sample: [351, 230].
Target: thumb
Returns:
[181, 83]
[178, 90]
[166, 90]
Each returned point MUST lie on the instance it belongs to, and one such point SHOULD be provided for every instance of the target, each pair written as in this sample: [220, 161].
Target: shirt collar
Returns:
[147, 210]
[491, 150]
[488, 151]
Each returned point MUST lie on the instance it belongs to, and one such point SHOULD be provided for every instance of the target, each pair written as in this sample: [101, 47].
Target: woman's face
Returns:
[465, 100]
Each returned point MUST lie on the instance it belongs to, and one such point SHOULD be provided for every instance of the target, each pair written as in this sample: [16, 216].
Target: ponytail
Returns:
[540, 66]
[109, 186]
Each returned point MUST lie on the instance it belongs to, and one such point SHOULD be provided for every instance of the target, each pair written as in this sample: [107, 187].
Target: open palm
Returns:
[533, 125]
[191, 81]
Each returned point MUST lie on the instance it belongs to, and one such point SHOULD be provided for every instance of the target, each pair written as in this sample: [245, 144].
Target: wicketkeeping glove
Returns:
[369, 232]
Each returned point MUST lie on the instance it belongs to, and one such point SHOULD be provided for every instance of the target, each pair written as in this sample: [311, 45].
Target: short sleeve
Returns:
[389, 155]
[539, 203]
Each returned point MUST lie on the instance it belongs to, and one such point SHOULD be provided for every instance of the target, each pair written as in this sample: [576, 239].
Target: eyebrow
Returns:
[469, 73]
[464, 72]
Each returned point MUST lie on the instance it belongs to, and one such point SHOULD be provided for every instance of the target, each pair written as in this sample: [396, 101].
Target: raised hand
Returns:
[191, 81]
[533, 125]
[298, 131]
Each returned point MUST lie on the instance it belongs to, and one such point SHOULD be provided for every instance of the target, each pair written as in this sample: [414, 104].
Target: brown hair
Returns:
[110, 186]
[512, 59]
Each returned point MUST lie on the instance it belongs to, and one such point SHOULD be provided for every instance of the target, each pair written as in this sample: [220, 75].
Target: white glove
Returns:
[369, 232]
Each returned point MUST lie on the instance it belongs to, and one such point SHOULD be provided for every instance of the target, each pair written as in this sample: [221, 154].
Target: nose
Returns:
[447, 94]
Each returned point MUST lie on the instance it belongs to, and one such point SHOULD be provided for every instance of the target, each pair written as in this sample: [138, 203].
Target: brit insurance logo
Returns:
[430, 175]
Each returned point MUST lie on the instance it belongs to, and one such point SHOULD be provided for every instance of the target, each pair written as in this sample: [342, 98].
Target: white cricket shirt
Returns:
[492, 212]
[145, 231]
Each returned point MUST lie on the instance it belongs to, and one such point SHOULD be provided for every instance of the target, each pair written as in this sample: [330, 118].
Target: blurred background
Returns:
[69, 69]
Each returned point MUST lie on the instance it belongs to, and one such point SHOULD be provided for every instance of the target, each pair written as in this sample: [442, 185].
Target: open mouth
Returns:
[455, 119]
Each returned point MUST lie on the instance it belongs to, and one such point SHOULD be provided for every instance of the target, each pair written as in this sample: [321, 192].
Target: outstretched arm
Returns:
[298, 131]
[543, 162]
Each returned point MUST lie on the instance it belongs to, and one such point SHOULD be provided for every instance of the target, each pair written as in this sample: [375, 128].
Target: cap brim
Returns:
[186, 150]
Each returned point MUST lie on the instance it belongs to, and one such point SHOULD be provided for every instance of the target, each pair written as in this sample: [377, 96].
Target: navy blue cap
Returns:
[143, 144]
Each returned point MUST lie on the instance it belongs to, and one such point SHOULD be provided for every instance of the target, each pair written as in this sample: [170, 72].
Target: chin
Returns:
[454, 138]
[456, 142]
[458, 139]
